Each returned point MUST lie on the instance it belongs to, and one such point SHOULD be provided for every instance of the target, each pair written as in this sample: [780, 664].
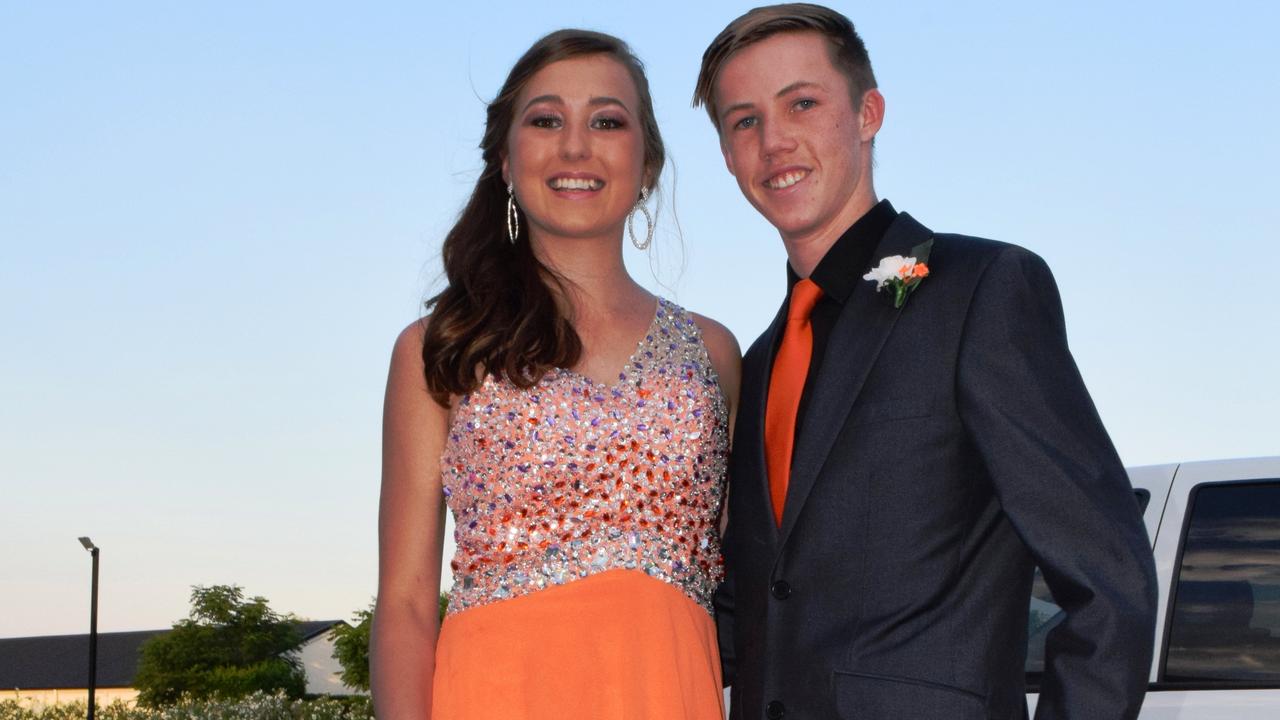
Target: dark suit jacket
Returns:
[948, 447]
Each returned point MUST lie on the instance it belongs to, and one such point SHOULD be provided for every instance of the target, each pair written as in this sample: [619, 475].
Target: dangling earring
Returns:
[648, 221]
[513, 217]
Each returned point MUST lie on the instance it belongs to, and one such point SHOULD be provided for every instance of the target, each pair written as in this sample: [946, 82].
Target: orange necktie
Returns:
[786, 383]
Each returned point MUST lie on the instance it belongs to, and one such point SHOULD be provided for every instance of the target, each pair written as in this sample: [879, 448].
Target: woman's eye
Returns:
[545, 121]
[608, 123]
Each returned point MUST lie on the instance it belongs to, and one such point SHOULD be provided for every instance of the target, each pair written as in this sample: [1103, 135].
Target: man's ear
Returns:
[870, 115]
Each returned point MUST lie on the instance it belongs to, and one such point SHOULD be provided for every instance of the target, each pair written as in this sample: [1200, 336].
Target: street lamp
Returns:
[93, 624]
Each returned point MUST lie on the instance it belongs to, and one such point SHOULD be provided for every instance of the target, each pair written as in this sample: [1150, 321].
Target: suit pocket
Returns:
[878, 411]
[866, 696]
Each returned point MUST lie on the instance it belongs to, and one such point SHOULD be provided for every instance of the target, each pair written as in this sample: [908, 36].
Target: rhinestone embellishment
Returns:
[573, 477]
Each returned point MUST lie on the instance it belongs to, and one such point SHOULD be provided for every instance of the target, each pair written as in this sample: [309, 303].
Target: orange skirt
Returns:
[615, 646]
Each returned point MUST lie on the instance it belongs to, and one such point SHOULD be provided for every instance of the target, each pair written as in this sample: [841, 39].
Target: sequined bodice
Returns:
[572, 477]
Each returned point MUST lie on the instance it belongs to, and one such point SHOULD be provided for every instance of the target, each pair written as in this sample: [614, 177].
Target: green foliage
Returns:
[257, 706]
[69, 711]
[12, 710]
[351, 648]
[354, 707]
[117, 710]
[229, 648]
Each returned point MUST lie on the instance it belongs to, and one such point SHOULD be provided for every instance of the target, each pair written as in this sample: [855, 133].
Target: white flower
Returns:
[890, 268]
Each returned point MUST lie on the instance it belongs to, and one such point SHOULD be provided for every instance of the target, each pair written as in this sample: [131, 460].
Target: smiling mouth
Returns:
[785, 180]
[567, 183]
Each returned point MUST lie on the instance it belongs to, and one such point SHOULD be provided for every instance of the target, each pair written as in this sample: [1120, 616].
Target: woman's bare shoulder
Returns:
[726, 355]
[719, 340]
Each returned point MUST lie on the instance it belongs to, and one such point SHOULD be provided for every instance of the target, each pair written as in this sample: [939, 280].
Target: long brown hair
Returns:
[499, 314]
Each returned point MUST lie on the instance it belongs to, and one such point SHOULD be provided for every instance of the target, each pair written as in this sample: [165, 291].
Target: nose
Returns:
[575, 142]
[776, 139]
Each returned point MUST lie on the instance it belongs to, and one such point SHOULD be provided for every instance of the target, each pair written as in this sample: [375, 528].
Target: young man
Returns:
[905, 457]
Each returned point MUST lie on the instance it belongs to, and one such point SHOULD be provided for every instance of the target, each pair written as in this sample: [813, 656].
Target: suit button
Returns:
[781, 589]
[775, 710]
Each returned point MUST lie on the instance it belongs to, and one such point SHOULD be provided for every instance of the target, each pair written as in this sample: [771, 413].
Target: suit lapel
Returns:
[859, 333]
[755, 393]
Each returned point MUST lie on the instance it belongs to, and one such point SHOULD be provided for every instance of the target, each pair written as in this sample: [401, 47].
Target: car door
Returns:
[1218, 557]
[1217, 550]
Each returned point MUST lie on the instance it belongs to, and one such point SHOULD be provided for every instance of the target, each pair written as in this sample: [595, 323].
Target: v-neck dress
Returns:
[587, 543]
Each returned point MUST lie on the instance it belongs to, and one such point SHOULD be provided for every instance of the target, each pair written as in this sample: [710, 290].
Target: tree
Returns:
[351, 648]
[229, 647]
[351, 644]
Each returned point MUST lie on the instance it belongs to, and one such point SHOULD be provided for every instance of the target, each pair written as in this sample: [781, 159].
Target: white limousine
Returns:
[1215, 531]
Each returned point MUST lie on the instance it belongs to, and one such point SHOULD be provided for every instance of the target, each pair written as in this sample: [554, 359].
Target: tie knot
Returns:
[804, 295]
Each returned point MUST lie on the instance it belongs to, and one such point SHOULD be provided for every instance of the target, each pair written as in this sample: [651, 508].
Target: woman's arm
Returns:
[410, 536]
[726, 358]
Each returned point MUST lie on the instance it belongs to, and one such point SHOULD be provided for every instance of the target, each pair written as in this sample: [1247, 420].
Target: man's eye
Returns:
[745, 123]
[545, 121]
[805, 103]
[608, 123]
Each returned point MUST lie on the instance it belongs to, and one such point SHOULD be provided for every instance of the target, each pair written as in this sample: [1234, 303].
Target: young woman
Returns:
[576, 426]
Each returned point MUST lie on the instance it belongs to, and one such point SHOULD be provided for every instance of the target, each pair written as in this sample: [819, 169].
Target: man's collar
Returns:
[840, 269]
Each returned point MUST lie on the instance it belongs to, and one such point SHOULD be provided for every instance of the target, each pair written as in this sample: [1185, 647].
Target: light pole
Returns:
[93, 624]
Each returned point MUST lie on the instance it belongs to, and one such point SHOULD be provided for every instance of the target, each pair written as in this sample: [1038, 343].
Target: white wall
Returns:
[323, 670]
[37, 699]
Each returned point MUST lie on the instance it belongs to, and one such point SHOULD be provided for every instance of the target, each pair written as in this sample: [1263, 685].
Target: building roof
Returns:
[62, 661]
[309, 629]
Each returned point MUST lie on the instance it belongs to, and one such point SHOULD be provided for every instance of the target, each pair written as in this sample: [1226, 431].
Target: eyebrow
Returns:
[798, 85]
[734, 108]
[593, 102]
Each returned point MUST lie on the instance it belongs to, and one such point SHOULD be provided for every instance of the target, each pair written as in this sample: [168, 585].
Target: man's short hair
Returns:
[848, 53]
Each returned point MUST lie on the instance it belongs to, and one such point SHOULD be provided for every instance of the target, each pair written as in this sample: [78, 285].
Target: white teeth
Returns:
[563, 183]
[786, 179]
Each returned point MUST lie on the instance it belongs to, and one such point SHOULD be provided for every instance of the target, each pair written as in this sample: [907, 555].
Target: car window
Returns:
[1044, 614]
[1225, 624]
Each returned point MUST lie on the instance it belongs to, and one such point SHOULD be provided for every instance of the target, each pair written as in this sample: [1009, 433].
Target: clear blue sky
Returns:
[215, 217]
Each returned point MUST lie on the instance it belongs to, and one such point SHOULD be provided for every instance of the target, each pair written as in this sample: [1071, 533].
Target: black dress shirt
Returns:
[837, 274]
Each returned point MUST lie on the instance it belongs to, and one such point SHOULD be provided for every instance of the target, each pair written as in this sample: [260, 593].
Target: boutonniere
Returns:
[901, 274]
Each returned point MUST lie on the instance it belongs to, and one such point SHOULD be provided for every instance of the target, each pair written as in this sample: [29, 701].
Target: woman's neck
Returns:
[594, 276]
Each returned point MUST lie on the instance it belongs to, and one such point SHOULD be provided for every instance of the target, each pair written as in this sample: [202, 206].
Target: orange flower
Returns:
[920, 270]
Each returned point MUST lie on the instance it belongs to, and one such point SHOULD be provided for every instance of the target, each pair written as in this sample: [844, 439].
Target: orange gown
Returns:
[588, 552]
